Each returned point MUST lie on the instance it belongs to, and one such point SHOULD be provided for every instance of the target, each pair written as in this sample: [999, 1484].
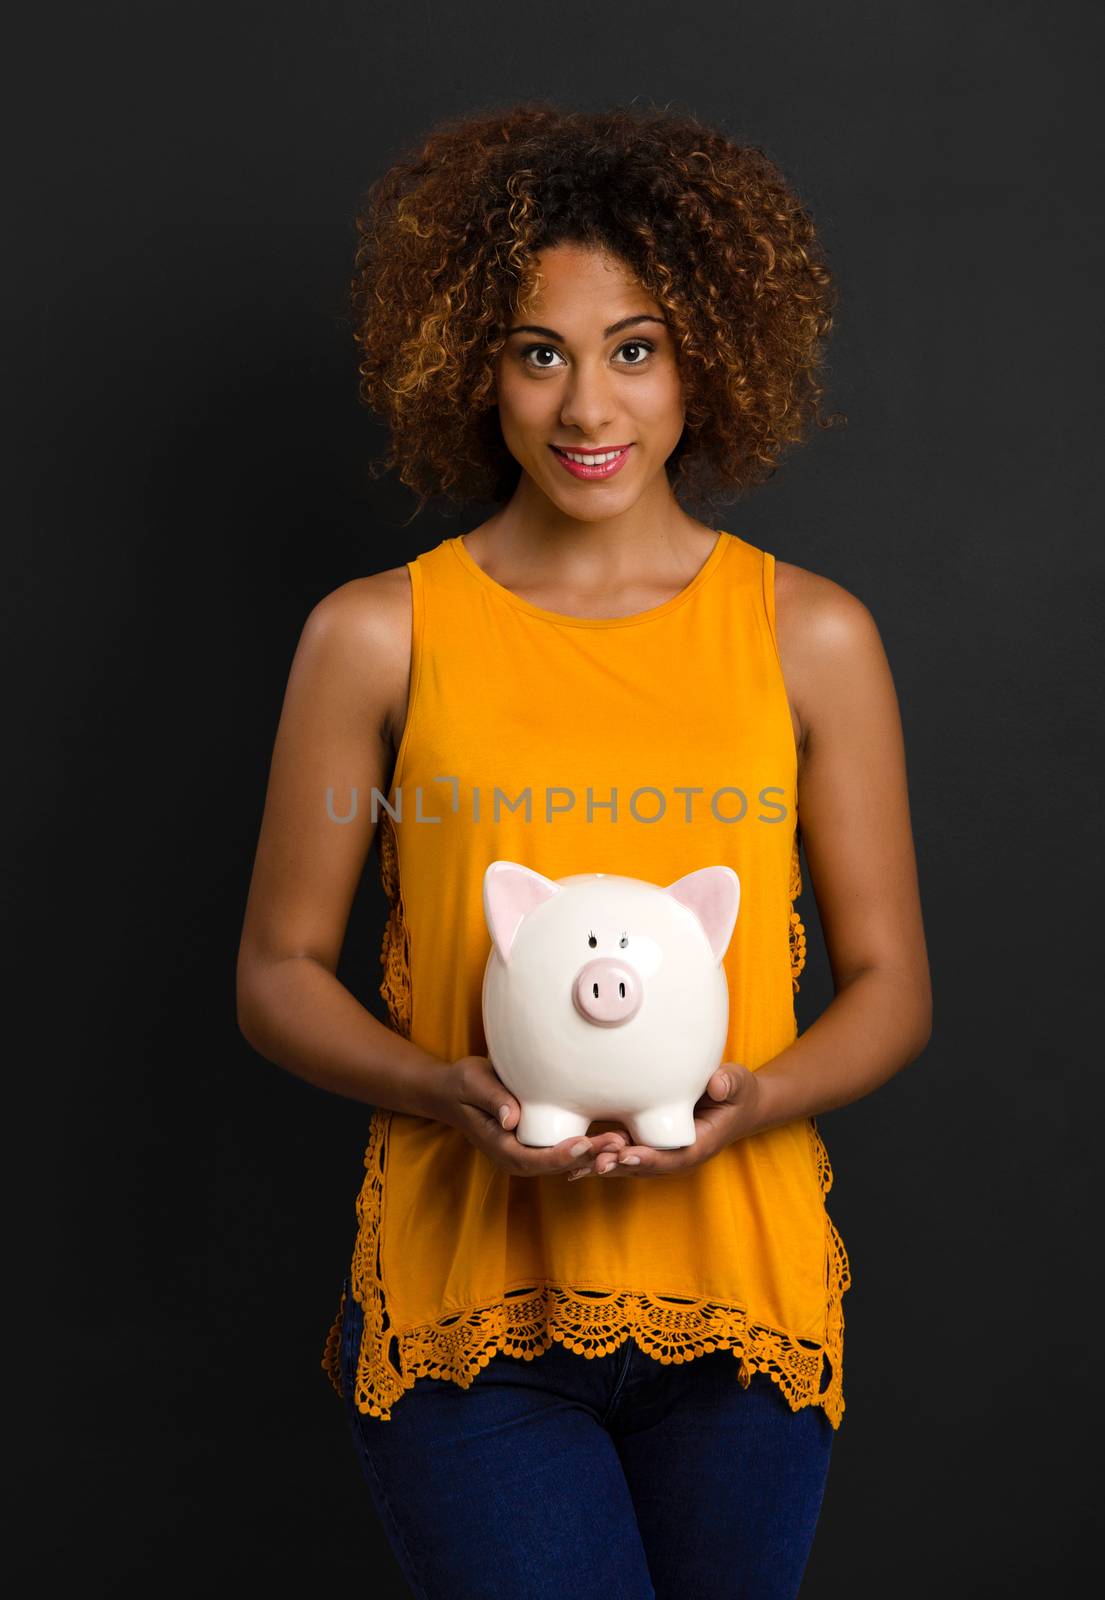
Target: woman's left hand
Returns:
[725, 1113]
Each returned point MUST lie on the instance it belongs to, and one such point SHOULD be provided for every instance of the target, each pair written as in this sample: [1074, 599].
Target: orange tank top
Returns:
[649, 746]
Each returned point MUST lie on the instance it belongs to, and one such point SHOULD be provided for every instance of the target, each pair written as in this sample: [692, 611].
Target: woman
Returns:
[632, 1384]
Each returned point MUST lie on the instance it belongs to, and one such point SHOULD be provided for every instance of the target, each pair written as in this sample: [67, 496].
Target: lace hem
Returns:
[797, 933]
[525, 1322]
[395, 954]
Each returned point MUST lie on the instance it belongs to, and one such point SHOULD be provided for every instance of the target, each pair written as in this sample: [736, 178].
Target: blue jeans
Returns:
[618, 1477]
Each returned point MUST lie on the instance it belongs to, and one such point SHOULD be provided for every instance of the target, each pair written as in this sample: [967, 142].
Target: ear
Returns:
[510, 893]
[713, 894]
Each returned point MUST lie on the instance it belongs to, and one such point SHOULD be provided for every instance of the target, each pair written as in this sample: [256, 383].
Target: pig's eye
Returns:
[624, 940]
[591, 940]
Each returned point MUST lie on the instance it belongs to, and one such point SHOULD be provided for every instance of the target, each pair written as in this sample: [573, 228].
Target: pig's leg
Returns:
[664, 1127]
[542, 1125]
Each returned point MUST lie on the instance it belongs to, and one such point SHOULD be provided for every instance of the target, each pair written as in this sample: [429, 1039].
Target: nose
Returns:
[588, 407]
[607, 992]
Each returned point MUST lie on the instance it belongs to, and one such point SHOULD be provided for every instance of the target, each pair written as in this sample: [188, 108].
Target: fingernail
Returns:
[578, 1149]
[630, 1161]
[580, 1172]
[504, 1113]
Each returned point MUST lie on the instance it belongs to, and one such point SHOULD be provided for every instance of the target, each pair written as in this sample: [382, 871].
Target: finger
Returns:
[608, 1145]
[577, 1152]
[539, 1159]
[606, 1162]
[599, 1158]
[606, 1138]
[610, 1139]
[726, 1083]
[646, 1161]
[614, 1140]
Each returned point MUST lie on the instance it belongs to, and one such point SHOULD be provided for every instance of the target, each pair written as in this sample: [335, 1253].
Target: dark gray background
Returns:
[195, 466]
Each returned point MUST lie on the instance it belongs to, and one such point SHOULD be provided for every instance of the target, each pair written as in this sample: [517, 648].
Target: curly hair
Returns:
[446, 253]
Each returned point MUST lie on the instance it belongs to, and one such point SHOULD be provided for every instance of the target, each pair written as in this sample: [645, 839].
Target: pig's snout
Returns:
[607, 992]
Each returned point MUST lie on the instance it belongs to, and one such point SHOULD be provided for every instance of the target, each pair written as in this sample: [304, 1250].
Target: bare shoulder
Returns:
[829, 641]
[370, 603]
[363, 629]
[814, 611]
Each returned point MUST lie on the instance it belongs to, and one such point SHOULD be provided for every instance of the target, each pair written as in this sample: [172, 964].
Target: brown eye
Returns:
[637, 344]
[642, 345]
[544, 349]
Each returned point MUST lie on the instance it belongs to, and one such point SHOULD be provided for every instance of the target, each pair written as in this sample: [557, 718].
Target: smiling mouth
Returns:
[594, 463]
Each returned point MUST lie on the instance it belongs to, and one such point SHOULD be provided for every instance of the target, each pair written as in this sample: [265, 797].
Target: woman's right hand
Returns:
[473, 1100]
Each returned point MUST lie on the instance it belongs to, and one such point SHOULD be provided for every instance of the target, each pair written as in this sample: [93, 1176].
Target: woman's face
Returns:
[590, 366]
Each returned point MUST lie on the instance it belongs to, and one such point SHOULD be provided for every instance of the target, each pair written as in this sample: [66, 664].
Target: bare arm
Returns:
[854, 811]
[350, 667]
[352, 664]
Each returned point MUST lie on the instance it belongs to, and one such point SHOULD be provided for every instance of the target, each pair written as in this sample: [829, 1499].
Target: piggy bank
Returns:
[605, 997]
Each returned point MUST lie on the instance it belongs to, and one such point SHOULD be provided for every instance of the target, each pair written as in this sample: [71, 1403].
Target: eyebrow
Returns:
[615, 327]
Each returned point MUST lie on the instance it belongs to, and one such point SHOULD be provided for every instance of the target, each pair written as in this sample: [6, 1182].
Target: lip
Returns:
[578, 470]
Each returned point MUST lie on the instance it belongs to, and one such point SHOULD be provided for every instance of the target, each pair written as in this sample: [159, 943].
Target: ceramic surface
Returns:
[605, 997]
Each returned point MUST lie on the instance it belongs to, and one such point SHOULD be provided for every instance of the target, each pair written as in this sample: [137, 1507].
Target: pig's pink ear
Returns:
[510, 893]
[714, 895]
